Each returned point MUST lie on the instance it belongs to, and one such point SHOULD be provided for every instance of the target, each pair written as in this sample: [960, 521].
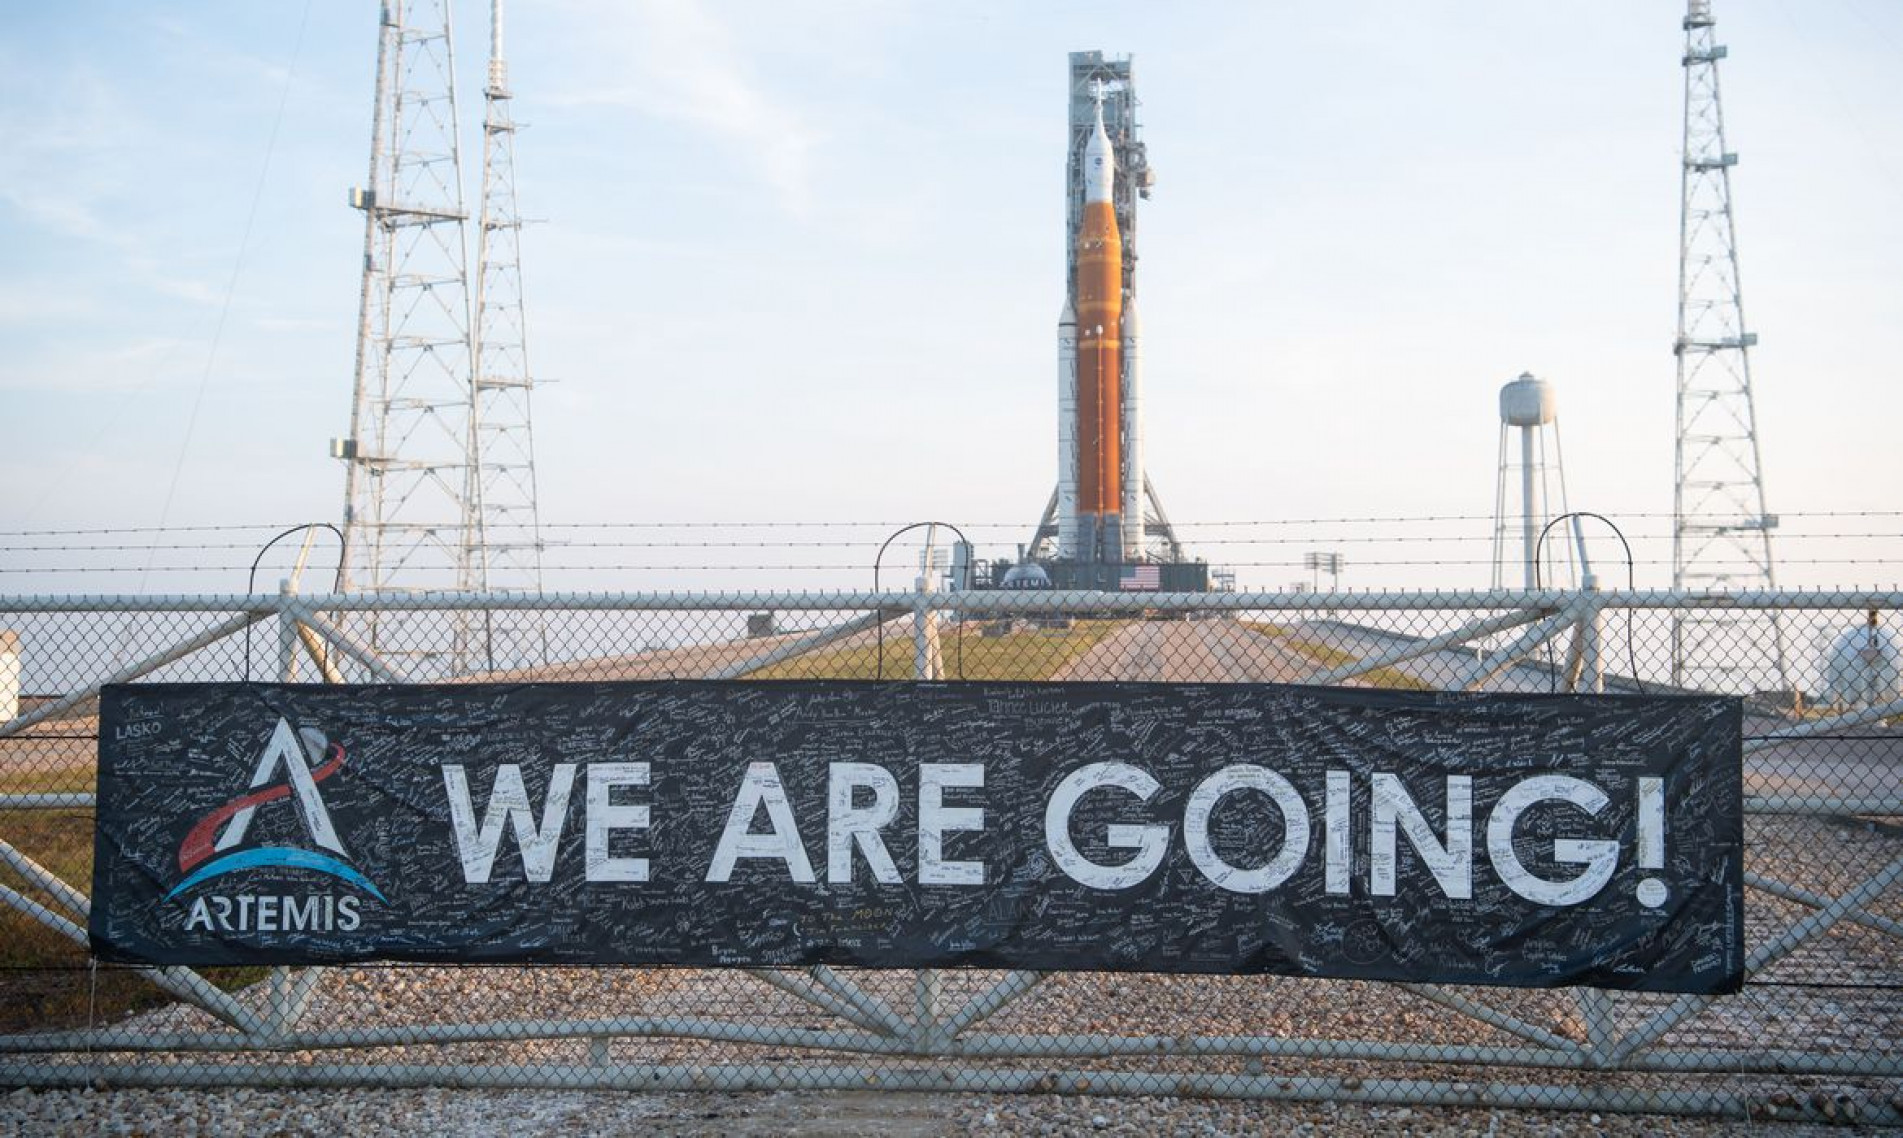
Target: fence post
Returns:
[287, 633]
[926, 662]
[927, 992]
[926, 665]
[1584, 670]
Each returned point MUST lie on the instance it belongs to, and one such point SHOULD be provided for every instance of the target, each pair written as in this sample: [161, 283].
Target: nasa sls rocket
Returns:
[1096, 363]
[1105, 511]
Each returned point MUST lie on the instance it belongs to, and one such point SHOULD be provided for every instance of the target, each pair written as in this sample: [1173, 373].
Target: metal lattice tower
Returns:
[1721, 530]
[511, 551]
[411, 500]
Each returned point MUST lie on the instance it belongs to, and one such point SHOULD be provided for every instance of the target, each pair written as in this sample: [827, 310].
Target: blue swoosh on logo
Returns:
[280, 856]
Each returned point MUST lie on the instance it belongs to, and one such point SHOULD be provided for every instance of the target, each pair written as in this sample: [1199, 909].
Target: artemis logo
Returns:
[223, 830]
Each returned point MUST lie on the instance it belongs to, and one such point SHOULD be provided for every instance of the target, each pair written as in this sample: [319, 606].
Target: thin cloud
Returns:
[152, 361]
[688, 67]
[33, 305]
[73, 140]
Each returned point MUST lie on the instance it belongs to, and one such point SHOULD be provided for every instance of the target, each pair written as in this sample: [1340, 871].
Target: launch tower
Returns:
[1721, 530]
[1104, 511]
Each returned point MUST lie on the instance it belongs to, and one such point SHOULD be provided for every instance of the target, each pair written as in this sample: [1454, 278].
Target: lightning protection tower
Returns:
[412, 502]
[510, 556]
[1721, 530]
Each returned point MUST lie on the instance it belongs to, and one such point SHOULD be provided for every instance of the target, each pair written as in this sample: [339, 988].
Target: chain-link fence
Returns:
[1815, 1031]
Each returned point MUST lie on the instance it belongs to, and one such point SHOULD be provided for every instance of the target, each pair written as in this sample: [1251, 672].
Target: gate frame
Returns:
[313, 629]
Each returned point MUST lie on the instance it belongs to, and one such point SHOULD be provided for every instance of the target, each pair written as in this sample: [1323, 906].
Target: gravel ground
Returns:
[1841, 995]
[366, 1113]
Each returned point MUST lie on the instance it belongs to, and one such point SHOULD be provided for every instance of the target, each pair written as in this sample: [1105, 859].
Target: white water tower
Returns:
[1863, 666]
[1531, 470]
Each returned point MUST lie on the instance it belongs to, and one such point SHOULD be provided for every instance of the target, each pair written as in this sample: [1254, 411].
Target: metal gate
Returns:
[1814, 1033]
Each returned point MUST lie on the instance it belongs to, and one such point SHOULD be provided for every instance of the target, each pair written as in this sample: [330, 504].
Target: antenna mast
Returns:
[1721, 530]
[511, 554]
[411, 499]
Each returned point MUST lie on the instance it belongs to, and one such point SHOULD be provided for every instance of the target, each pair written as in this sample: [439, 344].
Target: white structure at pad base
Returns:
[1864, 666]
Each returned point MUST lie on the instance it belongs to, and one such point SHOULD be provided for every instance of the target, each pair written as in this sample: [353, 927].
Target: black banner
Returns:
[1533, 840]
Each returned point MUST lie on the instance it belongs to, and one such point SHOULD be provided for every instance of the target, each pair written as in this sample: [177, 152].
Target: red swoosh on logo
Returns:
[198, 843]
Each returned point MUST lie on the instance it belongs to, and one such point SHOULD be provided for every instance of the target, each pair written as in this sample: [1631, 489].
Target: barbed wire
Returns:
[1785, 518]
[1220, 542]
[855, 566]
[1402, 539]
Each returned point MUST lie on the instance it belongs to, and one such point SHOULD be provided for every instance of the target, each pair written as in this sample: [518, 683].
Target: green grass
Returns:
[1329, 656]
[54, 757]
[47, 981]
[73, 779]
[1033, 654]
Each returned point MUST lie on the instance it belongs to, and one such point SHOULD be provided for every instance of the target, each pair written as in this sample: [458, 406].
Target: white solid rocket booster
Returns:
[1067, 433]
[1132, 432]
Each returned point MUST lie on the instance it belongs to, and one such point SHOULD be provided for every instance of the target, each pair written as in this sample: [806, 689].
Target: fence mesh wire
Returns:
[1815, 1031]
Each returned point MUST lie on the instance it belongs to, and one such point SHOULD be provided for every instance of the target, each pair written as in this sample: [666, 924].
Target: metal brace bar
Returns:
[976, 600]
[1818, 901]
[823, 1000]
[983, 1007]
[1522, 647]
[344, 643]
[320, 656]
[671, 1027]
[800, 647]
[1718, 1062]
[75, 902]
[927, 664]
[1473, 1009]
[151, 663]
[1766, 955]
[1857, 718]
[1583, 664]
[287, 641]
[1820, 922]
[984, 1046]
[291, 998]
[881, 1017]
[277, 998]
[181, 982]
[1414, 651]
[46, 801]
[1820, 804]
[1595, 1008]
[58, 922]
[927, 986]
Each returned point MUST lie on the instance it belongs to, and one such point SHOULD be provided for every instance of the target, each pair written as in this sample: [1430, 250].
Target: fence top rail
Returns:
[1000, 602]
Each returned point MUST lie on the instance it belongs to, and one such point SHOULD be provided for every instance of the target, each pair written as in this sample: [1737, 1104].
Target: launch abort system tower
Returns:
[1104, 515]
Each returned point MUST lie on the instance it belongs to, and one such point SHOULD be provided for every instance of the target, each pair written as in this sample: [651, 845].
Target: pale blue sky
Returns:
[802, 261]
